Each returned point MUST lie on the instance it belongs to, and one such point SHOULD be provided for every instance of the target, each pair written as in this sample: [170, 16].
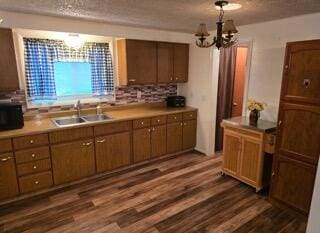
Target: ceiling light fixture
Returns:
[225, 31]
[74, 41]
[230, 7]
[1, 20]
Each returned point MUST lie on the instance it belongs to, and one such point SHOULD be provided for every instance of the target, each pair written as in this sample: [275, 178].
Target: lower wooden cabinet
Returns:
[35, 182]
[189, 137]
[231, 152]
[141, 144]
[8, 177]
[292, 183]
[112, 151]
[174, 137]
[158, 140]
[73, 161]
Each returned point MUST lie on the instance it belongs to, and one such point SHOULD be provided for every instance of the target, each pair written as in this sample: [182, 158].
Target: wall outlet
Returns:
[139, 94]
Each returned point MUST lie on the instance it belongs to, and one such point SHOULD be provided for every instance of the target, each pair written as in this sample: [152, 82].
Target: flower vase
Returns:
[253, 118]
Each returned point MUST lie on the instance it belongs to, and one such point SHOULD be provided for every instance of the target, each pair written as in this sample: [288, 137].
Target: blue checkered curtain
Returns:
[41, 54]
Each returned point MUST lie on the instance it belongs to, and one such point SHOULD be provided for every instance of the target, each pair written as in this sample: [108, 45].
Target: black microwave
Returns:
[11, 116]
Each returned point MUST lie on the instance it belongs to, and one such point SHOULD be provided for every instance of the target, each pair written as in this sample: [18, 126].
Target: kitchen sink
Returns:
[75, 120]
[101, 117]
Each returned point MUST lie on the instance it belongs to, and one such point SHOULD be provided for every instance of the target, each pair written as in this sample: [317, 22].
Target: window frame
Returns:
[19, 34]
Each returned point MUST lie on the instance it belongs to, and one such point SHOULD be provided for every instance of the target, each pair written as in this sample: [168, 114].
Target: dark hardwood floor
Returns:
[180, 194]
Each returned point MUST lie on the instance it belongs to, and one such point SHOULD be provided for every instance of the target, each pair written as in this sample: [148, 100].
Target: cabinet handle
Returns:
[31, 141]
[280, 122]
[101, 141]
[132, 80]
[6, 159]
[185, 123]
[87, 143]
[33, 155]
[142, 122]
[190, 115]
[158, 120]
[149, 130]
[181, 124]
[153, 129]
[171, 78]
[36, 182]
[175, 118]
[177, 78]
[273, 174]
[34, 167]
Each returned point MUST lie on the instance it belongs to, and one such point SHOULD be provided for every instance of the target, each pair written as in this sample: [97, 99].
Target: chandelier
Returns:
[225, 31]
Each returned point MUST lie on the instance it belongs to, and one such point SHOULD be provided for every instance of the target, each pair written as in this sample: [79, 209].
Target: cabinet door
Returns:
[231, 152]
[189, 134]
[141, 144]
[292, 183]
[181, 62]
[8, 177]
[112, 151]
[8, 65]
[165, 62]
[298, 134]
[158, 140]
[174, 137]
[301, 76]
[251, 161]
[141, 62]
[72, 161]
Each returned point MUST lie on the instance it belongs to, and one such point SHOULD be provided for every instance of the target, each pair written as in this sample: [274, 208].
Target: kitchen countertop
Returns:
[262, 126]
[43, 124]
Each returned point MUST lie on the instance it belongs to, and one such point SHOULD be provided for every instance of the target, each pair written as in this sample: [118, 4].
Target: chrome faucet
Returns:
[78, 107]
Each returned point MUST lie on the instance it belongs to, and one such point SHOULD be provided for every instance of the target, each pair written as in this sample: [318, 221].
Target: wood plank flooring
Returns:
[184, 193]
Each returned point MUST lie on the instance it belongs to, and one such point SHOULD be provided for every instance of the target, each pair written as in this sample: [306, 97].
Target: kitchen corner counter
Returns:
[43, 124]
[262, 126]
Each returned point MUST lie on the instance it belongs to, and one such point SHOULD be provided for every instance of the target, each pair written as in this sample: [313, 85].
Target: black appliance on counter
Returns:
[11, 116]
[176, 101]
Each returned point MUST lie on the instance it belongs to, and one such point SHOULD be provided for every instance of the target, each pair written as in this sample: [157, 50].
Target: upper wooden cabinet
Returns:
[8, 66]
[150, 62]
[301, 75]
[137, 62]
[173, 62]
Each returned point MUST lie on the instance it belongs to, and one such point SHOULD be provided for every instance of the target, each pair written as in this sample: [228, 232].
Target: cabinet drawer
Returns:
[112, 128]
[30, 141]
[70, 134]
[159, 120]
[5, 145]
[269, 143]
[174, 117]
[189, 115]
[35, 182]
[141, 123]
[32, 154]
[33, 167]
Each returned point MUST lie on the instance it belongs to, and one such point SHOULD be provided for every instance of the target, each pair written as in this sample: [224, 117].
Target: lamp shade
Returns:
[229, 27]
[202, 30]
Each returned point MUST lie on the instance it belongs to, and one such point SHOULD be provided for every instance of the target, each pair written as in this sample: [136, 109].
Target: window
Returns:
[57, 75]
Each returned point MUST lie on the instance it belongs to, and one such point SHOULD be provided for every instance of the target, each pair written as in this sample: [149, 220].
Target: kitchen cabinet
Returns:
[297, 145]
[73, 161]
[113, 151]
[141, 144]
[137, 62]
[173, 62]
[174, 137]
[244, 155]
[189, 134]
[35, 182]
[8, 65]
[8, 177]
[158, 140]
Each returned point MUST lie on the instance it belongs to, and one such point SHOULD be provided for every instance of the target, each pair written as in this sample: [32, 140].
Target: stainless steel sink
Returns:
[75, 120]
[100, 117]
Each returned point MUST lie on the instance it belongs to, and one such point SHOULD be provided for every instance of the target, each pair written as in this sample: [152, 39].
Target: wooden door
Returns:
[165, 62]
[299, 132]
[174, 137]
[231, 152]
[301, 75]
[292, 183]
[250, 165]
[8, 66]
[112, 151]
[141, 62]
[8, 177]
[72, 161]
[180, 62]
[189, 134]
[141, 144]
[158, 140]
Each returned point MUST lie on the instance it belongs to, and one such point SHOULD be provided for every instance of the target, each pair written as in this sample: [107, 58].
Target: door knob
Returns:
[235, 104]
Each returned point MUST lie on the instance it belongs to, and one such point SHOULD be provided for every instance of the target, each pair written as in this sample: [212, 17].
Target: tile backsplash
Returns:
[123, 95]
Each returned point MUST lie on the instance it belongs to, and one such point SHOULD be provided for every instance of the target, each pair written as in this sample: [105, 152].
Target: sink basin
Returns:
[67, 121]
[74, 120]
[101, 117]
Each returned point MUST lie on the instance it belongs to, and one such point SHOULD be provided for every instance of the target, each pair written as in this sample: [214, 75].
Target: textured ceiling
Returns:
[176, 15]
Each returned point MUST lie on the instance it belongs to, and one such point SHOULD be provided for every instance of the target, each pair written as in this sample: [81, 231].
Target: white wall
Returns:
[313, 222]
